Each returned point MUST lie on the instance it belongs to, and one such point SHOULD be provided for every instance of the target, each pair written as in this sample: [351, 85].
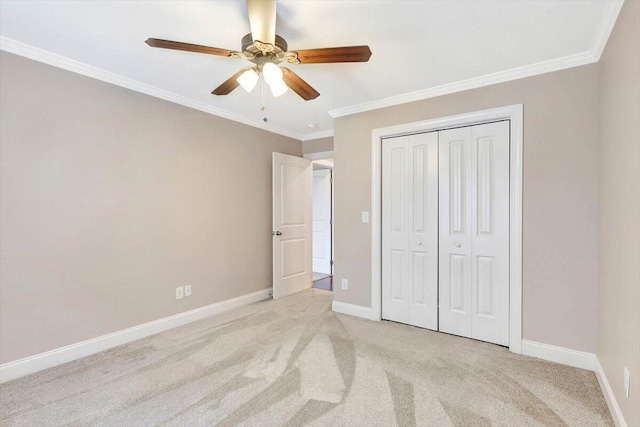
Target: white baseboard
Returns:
[353, 310]
[39, 362]
[566, 356]
[612, 403]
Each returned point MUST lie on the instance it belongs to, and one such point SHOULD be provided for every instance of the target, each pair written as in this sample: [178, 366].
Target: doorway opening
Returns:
[322, 224]
[295, 232]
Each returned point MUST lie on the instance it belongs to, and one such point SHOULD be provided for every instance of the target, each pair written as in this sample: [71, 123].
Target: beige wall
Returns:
[317, 145]
[109, 199]
[560, 197]
[619, 225]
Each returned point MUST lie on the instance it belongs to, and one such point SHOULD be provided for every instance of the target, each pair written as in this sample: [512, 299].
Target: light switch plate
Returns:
[179, 292]
[345, 284]
[365, 217]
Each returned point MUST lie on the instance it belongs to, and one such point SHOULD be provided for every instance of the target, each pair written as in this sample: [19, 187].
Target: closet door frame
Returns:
[513, 113]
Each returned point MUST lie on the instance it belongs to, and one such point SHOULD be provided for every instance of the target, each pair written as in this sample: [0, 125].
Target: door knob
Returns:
[420, 243]
[458, 245]
[278, 233]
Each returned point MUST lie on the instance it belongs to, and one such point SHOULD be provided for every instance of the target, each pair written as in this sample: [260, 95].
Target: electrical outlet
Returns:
[187, 291]
[365, 217]
[627, 382]
[179, 292]
[345, 284]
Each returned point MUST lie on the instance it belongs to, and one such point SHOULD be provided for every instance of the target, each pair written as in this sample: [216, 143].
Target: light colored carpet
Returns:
[294, 362]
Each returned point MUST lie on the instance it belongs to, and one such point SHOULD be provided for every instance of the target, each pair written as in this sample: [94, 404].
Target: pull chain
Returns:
[264, 100]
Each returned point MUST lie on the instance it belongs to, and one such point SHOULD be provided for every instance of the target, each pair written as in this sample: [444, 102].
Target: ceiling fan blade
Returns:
[262, 19]
[329, 55]
[229, 85]
[299, 86]
[168, 44]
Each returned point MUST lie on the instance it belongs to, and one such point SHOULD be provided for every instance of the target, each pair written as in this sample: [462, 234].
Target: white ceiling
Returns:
[416, 45]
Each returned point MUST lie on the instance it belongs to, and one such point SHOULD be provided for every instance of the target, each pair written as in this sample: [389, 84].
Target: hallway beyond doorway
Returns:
[325, 283]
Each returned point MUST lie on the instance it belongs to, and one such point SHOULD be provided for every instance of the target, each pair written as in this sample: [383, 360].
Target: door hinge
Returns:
[331, 262]
[331, 221]
[331, 180]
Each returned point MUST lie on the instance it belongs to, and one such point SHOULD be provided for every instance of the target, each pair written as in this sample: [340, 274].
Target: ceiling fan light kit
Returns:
[248, 79]
[266, 50]
[271, 72]
[278, 88]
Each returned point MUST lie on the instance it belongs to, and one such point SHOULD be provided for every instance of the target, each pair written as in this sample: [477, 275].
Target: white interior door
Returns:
[292, 211]
[322, 221]
[474, 232]
[410, 230]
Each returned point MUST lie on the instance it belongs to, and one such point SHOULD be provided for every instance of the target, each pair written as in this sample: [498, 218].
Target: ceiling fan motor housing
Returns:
[253, 52]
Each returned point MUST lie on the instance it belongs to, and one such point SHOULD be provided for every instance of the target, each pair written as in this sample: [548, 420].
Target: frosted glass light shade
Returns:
[248, 80]
[278, 88]
[271, 73]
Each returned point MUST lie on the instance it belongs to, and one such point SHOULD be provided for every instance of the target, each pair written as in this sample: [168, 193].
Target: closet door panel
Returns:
[455, 226]
[445, 231]
[423, 224]
[395, 229]
[490, 200]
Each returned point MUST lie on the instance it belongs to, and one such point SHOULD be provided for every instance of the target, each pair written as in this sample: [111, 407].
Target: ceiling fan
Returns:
[266, 50]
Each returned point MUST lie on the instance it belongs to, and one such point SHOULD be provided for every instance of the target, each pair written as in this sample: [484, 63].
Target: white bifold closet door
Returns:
[410, 229]
[474, 232]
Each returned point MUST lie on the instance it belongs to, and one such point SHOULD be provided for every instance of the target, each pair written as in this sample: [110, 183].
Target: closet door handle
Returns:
[458, 245]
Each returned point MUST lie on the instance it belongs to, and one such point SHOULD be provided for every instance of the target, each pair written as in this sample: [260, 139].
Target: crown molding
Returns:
[472, 83]
[317, 135]
[41, 55]
[609, 17]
